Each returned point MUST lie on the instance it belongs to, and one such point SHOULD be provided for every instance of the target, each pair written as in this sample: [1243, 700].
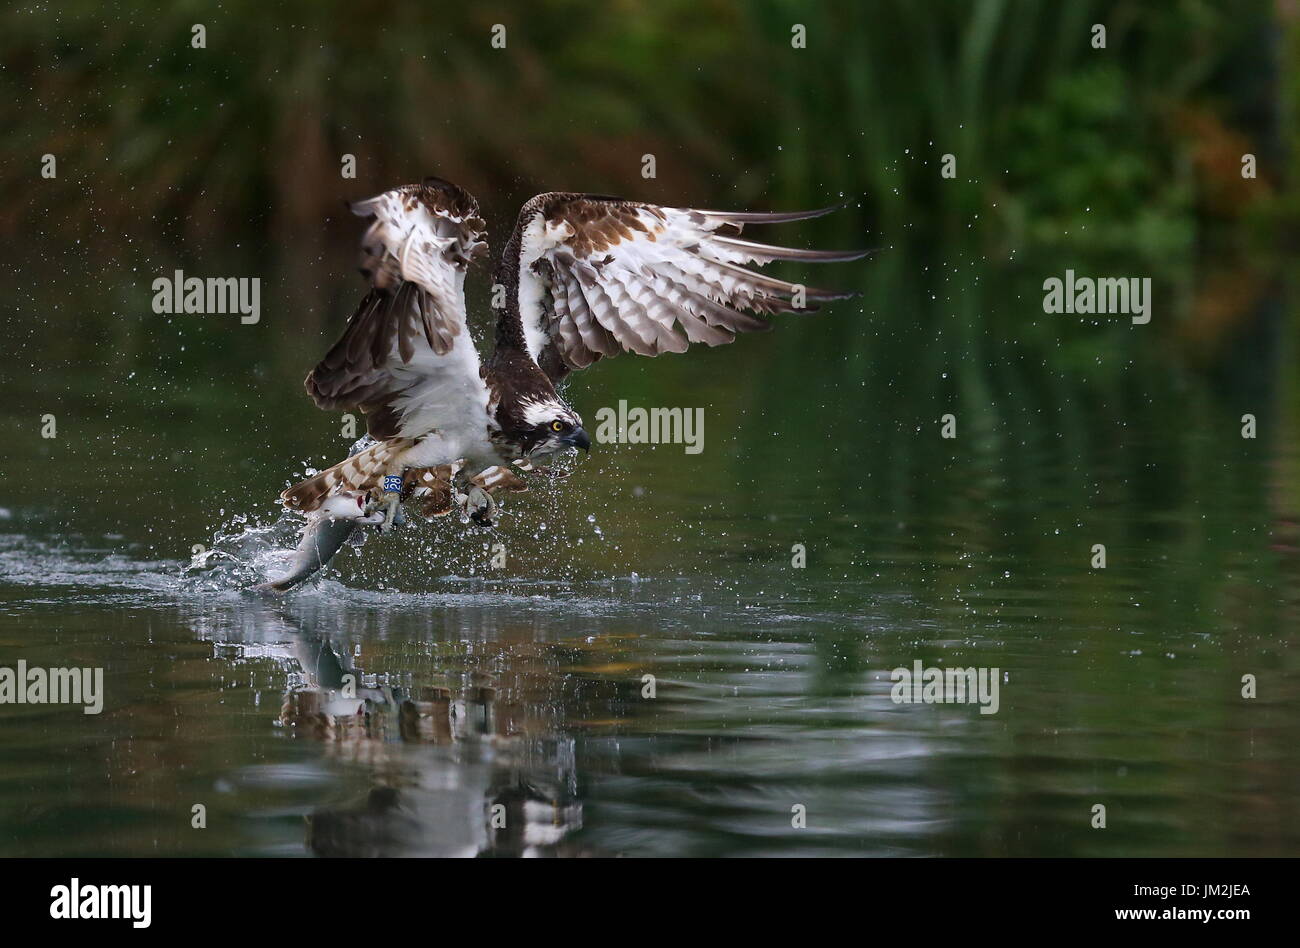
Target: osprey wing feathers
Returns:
[406, 357]
[589, 276]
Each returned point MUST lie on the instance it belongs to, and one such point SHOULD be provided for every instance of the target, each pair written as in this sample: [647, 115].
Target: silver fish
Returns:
[320, 541]
[323, 537]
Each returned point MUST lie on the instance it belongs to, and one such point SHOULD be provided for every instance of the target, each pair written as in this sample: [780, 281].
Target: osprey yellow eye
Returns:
[557, 426]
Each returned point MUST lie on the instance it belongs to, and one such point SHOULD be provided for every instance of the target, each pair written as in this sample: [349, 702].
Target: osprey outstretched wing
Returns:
[585, 277]
[406, 352]
[406, 359]
[589, 276]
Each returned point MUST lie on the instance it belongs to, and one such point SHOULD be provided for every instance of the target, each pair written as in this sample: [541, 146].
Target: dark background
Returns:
[1072, 430]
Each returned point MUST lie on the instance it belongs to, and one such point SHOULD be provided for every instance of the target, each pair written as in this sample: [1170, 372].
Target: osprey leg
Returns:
[480, 506]
[391, 505]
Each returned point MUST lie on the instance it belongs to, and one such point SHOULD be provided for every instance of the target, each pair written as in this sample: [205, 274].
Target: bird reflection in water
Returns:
[451, 779]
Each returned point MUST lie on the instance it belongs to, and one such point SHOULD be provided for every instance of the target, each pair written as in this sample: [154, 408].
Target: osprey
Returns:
[582, 277]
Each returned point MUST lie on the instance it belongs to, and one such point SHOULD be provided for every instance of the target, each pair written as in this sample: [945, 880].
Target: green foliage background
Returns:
[245, 137]
[1124, 160]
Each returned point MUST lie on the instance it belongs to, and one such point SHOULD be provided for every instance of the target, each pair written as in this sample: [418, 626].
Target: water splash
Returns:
[243, 553]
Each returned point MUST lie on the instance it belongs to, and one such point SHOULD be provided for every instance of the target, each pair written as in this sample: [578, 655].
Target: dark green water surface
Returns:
[523, 687]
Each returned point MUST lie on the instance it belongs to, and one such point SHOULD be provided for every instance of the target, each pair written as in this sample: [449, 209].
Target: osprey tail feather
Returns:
[362, 472]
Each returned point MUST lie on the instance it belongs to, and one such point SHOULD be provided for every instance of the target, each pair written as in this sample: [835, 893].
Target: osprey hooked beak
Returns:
[578, 439]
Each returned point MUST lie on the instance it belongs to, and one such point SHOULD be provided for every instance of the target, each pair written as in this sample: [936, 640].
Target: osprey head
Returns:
[551, 426]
